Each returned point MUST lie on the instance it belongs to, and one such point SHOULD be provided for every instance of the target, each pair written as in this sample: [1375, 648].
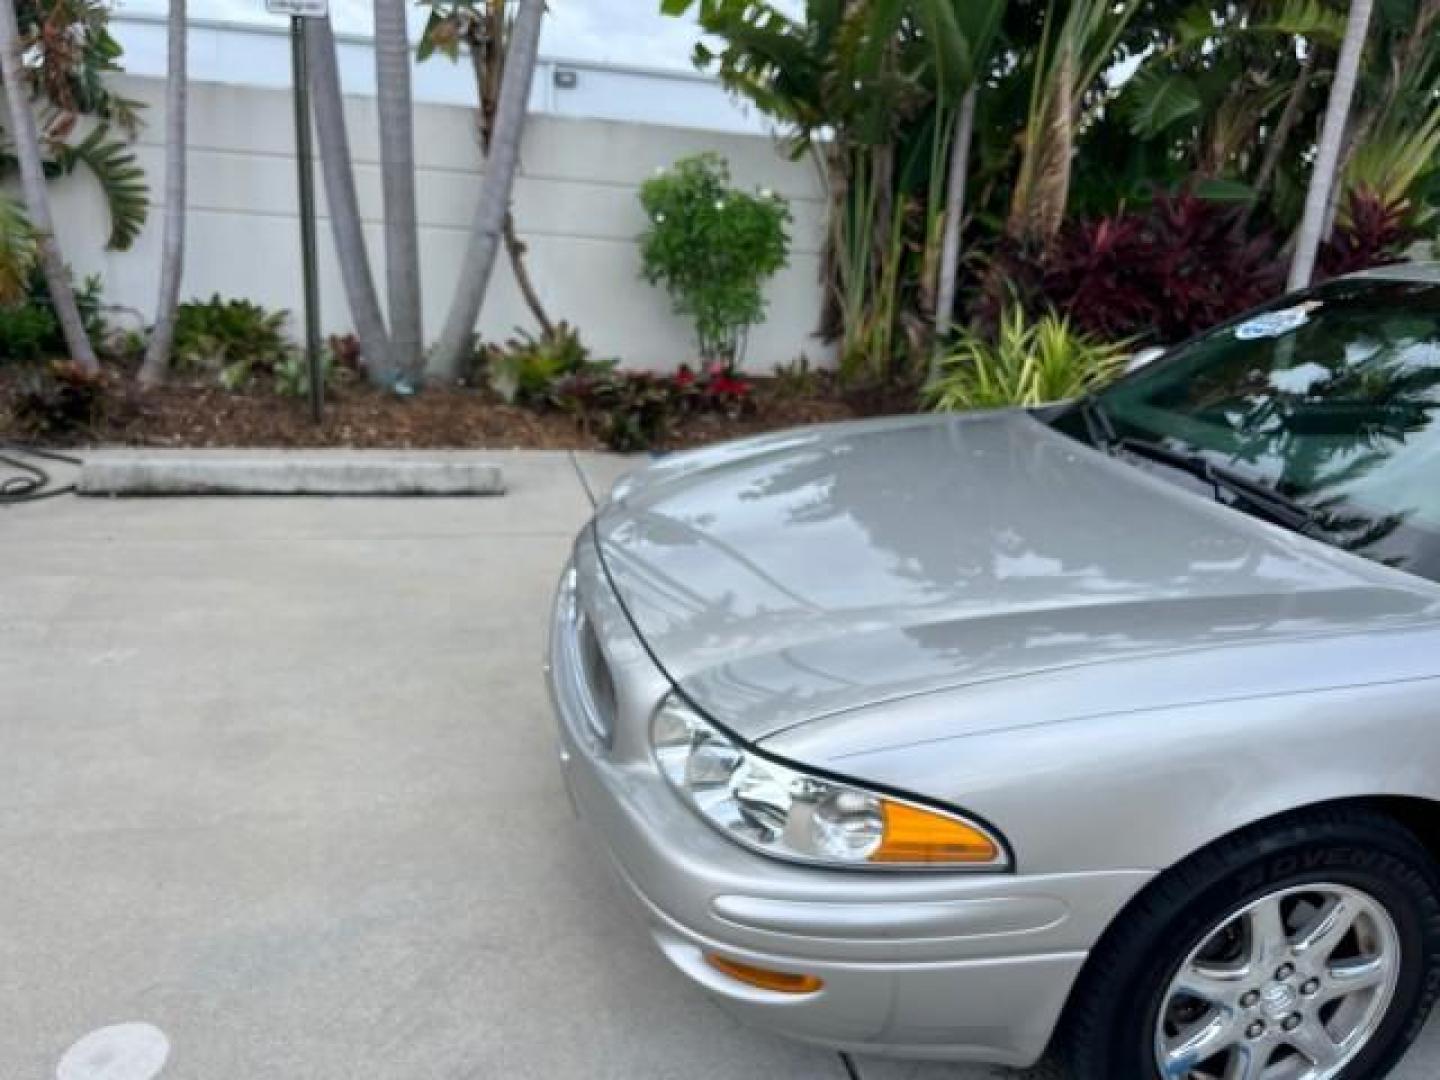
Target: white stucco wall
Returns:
[575, 203]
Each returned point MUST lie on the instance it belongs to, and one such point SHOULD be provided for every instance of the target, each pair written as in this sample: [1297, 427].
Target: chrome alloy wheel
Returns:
[1291, 987]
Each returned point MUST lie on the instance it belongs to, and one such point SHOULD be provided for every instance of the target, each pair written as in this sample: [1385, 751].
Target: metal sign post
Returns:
[299, 11]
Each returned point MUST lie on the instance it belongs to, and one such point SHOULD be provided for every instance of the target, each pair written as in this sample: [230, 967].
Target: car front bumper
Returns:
[927, 965]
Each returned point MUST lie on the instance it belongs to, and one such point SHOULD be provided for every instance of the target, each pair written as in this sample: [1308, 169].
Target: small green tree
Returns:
[713, 247]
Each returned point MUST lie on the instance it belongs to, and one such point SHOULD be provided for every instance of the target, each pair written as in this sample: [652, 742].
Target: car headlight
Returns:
[779, 810]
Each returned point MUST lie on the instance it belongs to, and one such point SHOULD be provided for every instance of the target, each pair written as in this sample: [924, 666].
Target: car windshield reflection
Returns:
[1331, 399]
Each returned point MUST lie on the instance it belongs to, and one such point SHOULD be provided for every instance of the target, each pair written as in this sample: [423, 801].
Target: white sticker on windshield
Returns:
[1274, 324]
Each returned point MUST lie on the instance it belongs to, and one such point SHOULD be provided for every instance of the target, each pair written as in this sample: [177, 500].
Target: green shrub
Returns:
[630, 411]
[713, 247]
[1027, 364]
[524, 370]
[27, 332]
[292, 374]
[30, 330]
[234, 339]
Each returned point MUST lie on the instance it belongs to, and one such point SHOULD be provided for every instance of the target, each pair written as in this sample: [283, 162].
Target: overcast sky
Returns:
[619, 31]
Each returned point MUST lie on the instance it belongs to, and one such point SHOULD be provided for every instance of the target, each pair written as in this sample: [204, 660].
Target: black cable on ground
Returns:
[33, 482]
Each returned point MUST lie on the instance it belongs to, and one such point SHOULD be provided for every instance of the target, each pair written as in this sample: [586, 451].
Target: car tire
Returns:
[1206, 924]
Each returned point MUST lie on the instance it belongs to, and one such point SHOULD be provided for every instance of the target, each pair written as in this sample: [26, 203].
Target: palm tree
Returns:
[334, 144]
[1332, 140]
[483, 29]
[37, 200]
[1077, 44]
[488, 227]
[961, 139]
[965, 37]
[397, 175]
[172, 248]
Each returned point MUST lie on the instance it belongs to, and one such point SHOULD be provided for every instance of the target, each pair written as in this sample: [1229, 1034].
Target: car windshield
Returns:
[1330, 398]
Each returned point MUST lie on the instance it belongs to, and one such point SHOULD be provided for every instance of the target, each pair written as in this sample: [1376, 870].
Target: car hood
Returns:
[797, 576]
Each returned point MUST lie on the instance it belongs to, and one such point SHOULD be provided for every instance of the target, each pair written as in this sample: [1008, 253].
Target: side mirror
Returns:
[1144, 358]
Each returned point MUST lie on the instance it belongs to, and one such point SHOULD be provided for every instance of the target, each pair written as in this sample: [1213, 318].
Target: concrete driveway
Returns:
[276, 777]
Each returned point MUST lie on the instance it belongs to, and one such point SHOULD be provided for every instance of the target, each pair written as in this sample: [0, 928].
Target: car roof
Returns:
[1425, 273]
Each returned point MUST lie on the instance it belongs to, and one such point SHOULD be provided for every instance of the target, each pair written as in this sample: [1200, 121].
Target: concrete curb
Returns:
[289, 472]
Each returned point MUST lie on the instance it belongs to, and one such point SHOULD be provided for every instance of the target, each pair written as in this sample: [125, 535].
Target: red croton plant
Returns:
[1369, 231]
[1167, 271]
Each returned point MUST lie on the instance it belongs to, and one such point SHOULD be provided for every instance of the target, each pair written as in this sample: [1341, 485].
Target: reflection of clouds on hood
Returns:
[615, 31]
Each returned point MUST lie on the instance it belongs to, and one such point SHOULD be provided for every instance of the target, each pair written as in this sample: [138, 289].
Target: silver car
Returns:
[1110, 729]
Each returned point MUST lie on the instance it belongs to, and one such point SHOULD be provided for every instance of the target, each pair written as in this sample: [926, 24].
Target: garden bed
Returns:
[199, 413]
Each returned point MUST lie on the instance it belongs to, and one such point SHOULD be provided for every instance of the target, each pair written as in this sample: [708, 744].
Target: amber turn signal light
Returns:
[913, 835]
[781, 982]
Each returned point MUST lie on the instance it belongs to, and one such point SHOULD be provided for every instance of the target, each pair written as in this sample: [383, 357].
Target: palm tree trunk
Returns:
[37, 199]
[487, 60]
[954, 213]
[1042, 189]
[334, 144]
[1332, 138]
[172, 245]
[397, 175]
[489, 224]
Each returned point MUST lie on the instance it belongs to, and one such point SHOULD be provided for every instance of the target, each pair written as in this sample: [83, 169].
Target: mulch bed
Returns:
[199, 413]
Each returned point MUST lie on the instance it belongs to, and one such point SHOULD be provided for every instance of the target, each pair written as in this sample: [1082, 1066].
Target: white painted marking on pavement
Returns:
[120, 1052]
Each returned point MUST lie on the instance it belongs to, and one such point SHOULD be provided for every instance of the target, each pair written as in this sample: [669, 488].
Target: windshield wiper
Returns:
[1260, 497]
[1097, 422]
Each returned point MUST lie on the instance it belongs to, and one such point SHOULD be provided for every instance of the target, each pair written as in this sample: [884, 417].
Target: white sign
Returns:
[305, 9]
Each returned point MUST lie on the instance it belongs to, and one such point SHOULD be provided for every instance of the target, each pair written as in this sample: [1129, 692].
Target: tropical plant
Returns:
[17, 253]
[68, 54]
[233, 339]
[631, 411]
[27, 332]
[397, 179]
[875, 91]
[172, 245]
[713, 247]
[1076, 46]
[29, 329]
[1332, 138]
[1028, 363]
[26, 140]
[113, 164]
[481, 29]
[628, 411]
[1369, 231]
[526, 369]
[965, 36]
[1395, 164]
[1159, 273]
[495, 194]
[292, 373]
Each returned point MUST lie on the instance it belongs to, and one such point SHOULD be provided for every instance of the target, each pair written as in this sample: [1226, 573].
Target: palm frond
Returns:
[1294, 18]
[122, 181]
[17, 252]
[1393, 161]
[1156, 100]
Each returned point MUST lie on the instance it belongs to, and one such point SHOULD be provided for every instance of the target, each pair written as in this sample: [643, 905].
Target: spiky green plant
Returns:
[1029, 362]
